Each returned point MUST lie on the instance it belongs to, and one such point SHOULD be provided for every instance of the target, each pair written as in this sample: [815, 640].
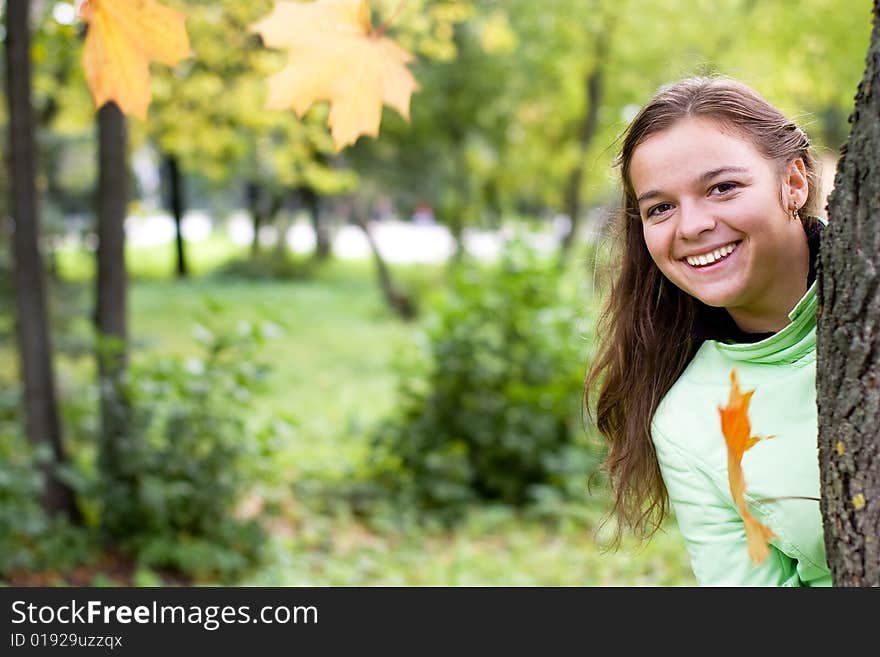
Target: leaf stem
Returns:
[388, 22]
[787, 497]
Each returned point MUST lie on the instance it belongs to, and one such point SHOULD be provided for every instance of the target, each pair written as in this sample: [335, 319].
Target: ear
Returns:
[795, 185]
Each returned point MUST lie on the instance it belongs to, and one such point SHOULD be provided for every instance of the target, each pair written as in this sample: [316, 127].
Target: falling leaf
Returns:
[737, 434]
[335, 55]
[123, 36]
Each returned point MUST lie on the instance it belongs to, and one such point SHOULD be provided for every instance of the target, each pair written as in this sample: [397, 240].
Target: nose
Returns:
[693, 220]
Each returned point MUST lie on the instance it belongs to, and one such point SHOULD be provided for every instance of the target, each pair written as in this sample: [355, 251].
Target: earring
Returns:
[795, 213]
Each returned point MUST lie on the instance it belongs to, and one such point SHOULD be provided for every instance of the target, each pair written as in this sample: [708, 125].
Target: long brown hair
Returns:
[646, 325]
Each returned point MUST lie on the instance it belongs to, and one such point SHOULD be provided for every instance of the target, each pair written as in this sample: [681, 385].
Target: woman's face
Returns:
[714, 222]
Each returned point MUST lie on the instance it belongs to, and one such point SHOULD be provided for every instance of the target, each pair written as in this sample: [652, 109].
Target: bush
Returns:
[494, 411]
[271, 265]
[189, 460]
[30, 540]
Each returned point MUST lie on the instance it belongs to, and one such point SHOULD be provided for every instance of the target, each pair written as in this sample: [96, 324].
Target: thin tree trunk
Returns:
[399, 302]
[456, 229]
[322, 236]
[594, 85]
[262, 212]
[283, 224]
[848, 344]
[111, 287]
[35, 348]
[253, 195]
[177, 205]
[276, 201]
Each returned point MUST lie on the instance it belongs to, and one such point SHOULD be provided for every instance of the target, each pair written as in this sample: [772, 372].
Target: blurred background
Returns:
[361, 368]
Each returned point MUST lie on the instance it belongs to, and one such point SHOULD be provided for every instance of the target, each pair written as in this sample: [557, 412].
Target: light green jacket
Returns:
[686, 430]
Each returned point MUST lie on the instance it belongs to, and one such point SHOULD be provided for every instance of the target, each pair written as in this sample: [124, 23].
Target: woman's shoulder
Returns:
[696, 393]
[687, 416]
[686, 428]
[686, 420]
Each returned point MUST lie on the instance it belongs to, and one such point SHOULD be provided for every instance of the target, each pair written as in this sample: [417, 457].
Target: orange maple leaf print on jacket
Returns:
[737, 431]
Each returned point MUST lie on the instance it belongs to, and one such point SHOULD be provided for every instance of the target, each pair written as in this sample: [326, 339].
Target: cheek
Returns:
[657, 245]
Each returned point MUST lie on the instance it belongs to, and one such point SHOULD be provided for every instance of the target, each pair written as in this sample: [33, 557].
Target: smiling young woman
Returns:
[718, 239]
[714, 221]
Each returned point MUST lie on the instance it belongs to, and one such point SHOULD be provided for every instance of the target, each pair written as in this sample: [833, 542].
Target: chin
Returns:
[713, 303]
[715, 298]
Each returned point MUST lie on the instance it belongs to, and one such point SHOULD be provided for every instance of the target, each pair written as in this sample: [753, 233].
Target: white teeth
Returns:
[709, 258]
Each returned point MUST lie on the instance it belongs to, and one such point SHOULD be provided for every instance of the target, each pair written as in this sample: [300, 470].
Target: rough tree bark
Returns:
[848, 344]
[177, 205]
[35, 349]
[112, 283]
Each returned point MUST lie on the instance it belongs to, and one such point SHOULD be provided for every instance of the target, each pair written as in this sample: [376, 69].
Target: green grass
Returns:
[495, 547]
[330, 361]
[154, 262]
[331, 380]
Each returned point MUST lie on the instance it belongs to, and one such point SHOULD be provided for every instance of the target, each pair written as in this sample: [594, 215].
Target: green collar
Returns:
[787, 345]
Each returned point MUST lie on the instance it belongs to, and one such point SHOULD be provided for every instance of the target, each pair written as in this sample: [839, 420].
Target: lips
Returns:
[711, 257]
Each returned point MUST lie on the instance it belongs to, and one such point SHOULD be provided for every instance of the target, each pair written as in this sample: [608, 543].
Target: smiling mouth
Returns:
[712, 257]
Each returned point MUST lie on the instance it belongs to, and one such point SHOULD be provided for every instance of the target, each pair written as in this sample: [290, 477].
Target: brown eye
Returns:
[658, 210]
[725, 187]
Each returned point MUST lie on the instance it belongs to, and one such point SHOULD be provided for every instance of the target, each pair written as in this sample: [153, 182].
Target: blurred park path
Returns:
[399, 241]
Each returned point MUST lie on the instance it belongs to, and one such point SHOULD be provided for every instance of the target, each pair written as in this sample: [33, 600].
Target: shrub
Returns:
[30, 540]
[493, 413]
[186, 463]
[189, 460]
[273, 265]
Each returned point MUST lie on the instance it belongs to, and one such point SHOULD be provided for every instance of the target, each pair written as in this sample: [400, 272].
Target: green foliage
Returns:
[495, 413]
[497, 127]
[29, 538]
[238, 137]
[188, 461]
[333, 383]
[184, 469]
[274, 264]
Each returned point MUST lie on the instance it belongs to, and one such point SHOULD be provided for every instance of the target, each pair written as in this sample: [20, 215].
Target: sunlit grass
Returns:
[153, 262]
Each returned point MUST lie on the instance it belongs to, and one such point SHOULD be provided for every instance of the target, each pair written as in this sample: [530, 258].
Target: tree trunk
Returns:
[35, 349]
[848, 343]
[252, 194]
[399, 302]
[276, 201]
[322, 236]
[177, 205]
[110, 318]
[594, 87]
[262, 212]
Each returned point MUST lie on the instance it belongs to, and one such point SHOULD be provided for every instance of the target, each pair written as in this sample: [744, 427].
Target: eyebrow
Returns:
[702, 178]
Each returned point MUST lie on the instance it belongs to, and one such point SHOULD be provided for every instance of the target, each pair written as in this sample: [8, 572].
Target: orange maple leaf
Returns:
[123, 36]
[737, 434]
[334, 55]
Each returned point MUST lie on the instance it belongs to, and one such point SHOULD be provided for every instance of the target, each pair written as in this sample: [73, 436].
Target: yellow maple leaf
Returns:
[123, 36]
[737, 431]
[334, 55]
